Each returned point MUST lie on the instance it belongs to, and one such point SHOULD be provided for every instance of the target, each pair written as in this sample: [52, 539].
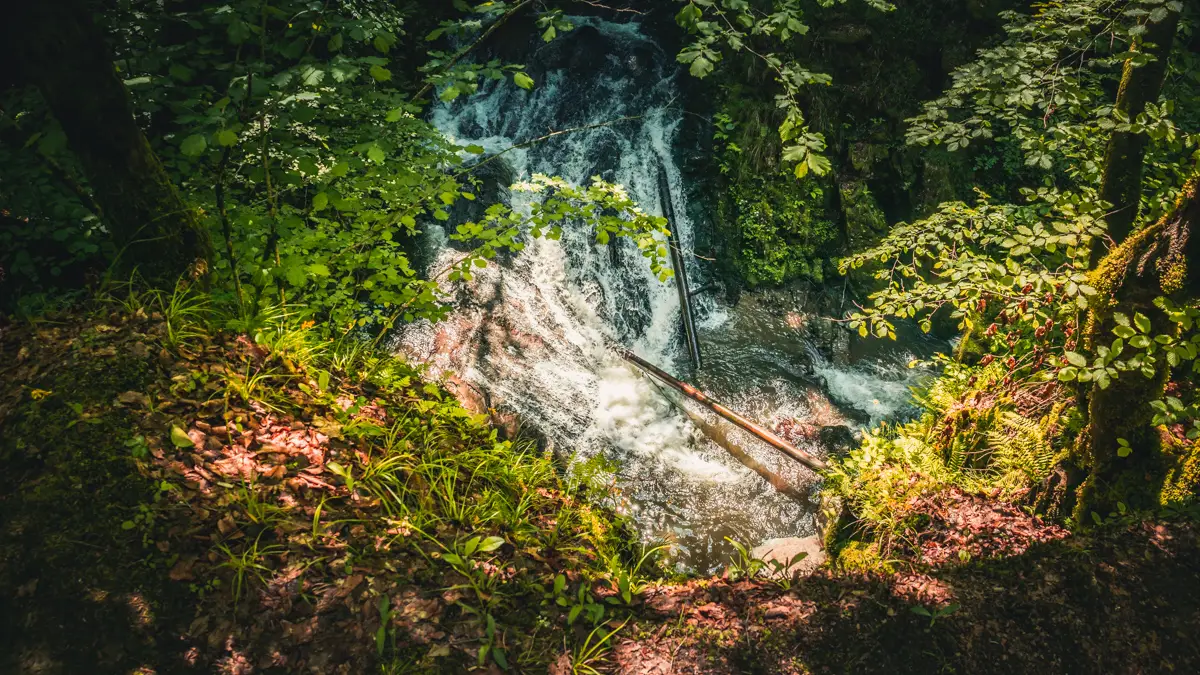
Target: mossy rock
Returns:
[778, 229]
[865, 222]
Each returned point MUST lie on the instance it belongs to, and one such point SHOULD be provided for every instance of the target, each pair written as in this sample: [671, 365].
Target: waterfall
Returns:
[531, 331]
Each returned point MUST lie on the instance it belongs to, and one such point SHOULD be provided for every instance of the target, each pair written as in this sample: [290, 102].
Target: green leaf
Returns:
[474, 149]
[226, 138]
[193, 146]
[311, 76]
[376, 154]
[1076, 359]
[688, 16]
[1142, 322]
[181, 72]
[180, 438]
[320, 201]
[574, 614]
[295, 275]
[700, 67]
[523, 81]
[819, 164]
[380, 73]
[491, 544]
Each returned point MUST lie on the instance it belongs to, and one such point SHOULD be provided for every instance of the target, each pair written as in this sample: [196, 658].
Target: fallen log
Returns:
[700, 397]
[717, 435]
[679, 265]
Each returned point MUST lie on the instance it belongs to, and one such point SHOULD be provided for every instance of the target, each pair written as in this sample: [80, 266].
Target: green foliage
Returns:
[1047, 87]
[51, 236]
[974, 433]
[935, 613]
[720, 26]
[780, 229]
[1021, 271]
[313, 166]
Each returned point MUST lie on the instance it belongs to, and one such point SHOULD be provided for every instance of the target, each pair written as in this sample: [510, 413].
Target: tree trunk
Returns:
[1121, 184]
[62, 52]
[1152, 263]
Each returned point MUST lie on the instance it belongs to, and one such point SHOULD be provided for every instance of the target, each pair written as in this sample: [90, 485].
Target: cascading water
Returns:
[532, 331]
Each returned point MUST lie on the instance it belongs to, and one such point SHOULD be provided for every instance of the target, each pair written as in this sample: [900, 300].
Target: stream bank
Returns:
[86, 593]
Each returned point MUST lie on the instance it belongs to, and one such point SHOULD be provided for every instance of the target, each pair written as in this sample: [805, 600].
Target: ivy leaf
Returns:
[193, 146]
[523, 81]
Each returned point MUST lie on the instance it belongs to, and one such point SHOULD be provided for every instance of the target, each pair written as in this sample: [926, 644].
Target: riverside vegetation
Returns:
[208, 231]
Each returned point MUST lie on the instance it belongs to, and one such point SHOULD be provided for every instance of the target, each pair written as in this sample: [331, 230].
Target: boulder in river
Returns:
[836, 441]
[786, 549]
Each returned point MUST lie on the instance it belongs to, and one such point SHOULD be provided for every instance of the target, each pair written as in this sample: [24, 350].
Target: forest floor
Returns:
[181, 500]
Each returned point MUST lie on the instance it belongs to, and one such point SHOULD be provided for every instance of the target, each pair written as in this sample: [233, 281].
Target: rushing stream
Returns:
[532, 331]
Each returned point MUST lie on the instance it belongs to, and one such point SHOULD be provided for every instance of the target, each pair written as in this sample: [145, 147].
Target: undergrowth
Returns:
[283, 471]
[967, 437]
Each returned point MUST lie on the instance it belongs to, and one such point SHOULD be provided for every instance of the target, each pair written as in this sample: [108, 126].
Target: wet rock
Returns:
[837, 441]
[582, 53]
[865, 220]
[787, 549]
[495, 179]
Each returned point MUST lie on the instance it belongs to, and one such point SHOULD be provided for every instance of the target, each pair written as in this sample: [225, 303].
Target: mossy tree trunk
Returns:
[1152, 263]
[1121, 184]
[58, 49]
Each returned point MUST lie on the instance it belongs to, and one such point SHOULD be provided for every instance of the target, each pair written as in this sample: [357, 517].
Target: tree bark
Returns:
[59, 49]
[1121, 184]
[1152, 263]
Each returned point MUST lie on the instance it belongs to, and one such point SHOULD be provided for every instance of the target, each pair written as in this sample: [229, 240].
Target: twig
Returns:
[593, 3]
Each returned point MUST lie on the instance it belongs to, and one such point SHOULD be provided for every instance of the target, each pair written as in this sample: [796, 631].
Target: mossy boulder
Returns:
[777, 228]
[864, 220]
